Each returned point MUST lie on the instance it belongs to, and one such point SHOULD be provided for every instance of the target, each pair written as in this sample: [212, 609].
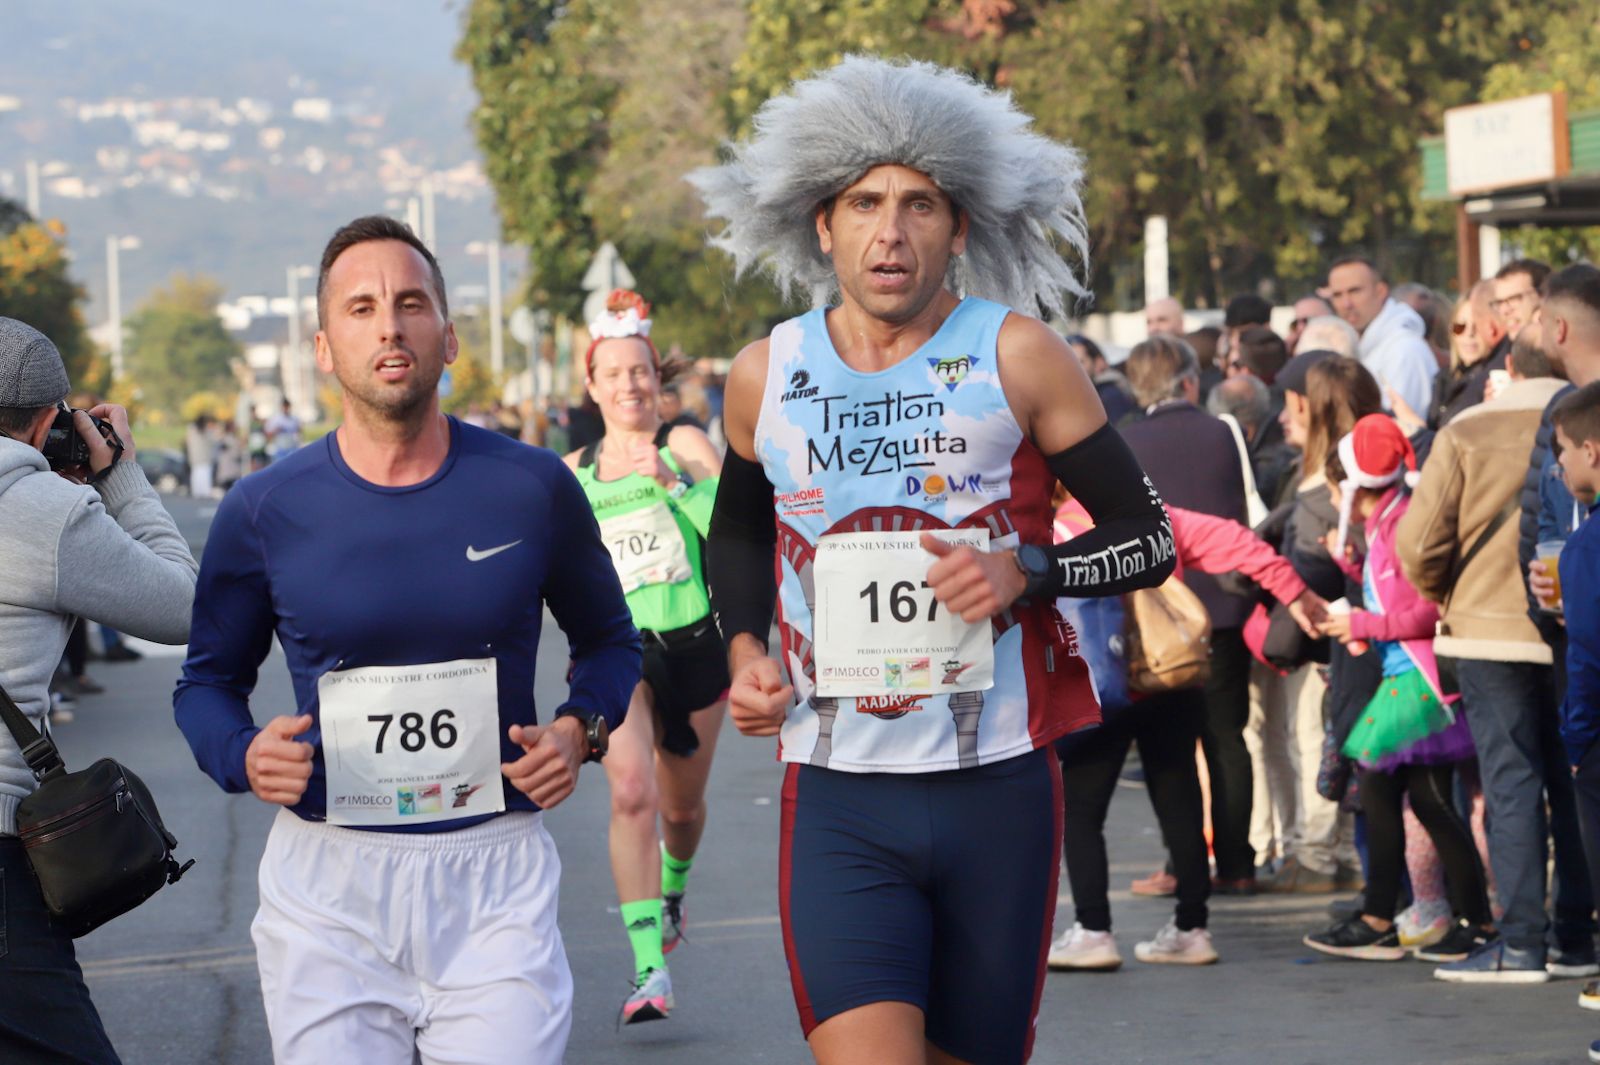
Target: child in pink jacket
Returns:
[1408, 741]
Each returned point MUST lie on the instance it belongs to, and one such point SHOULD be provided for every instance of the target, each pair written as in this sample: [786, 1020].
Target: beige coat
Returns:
[1477, 465]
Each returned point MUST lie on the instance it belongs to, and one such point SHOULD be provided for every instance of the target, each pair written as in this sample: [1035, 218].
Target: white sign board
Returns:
[1507, 143]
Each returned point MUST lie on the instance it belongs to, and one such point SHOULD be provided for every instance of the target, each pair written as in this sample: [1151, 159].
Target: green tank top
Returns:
[654, 542]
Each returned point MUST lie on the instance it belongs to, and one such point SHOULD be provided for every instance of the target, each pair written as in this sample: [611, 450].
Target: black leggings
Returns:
[1430, 789]
[1165, 727]
[78, 648]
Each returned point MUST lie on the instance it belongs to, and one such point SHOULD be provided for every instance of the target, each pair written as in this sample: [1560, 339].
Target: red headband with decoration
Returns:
[626, 315]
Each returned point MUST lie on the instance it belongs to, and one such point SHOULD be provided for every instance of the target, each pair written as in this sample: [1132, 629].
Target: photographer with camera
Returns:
[81, 533]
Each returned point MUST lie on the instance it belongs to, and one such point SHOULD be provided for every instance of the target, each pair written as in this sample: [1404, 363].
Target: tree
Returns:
[584, 146]
[177, 346]
[1563, 54]
[36, 288]
[472, 385]
[541, 124]
[1272, 134]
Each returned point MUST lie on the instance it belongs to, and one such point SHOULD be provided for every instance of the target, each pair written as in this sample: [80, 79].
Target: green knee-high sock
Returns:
[674, 873]
[642, 919]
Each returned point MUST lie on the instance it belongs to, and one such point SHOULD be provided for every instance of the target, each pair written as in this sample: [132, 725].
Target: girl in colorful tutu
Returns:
[1409, 740]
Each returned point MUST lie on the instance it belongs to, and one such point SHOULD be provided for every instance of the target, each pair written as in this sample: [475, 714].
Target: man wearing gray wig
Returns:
[893, 456]
[1017, 188]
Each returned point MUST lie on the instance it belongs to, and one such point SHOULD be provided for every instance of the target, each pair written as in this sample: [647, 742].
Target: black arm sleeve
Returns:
[1131, 545]
[740, 548]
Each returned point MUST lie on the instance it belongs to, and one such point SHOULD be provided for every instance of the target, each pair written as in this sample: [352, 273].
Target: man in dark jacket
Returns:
[1193, 461]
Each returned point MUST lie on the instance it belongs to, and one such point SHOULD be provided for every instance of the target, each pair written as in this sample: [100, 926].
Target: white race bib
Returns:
[646, 547]
[879, 629]
[406, 745]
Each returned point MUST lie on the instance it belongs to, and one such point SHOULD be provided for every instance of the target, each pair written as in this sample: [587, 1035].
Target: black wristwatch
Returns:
[596, 733]
[1039, 570]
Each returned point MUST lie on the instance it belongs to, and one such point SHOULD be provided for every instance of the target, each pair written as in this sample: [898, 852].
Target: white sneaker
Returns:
[1418, 932]
[1174, 947]
[1079, 948]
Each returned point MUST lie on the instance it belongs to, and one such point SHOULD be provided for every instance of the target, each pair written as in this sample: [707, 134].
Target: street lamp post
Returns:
[33, 188]
[497, 340]
[298, 368]
[114, 246]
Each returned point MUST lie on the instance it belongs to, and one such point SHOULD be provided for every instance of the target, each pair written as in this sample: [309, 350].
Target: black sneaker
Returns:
[121, 652]
[1573, 961]
[1344, 909]
[1355, 938]
[1457, 943]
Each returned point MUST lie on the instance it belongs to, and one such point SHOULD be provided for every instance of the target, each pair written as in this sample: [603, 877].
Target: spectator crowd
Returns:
[1383, 514]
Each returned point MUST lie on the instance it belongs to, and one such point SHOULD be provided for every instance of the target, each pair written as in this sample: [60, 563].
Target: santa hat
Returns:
[1375, 454]
[626, 315]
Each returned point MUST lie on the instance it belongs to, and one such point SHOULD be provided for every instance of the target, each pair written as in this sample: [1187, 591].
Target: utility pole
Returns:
[497, 342]
[497, 350]
[1155, 259]
[427, 233]
[114, 246]
[33, 188]
[298, 368]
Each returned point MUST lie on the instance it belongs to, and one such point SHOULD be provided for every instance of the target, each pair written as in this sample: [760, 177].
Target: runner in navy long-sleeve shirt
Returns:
[404, 563]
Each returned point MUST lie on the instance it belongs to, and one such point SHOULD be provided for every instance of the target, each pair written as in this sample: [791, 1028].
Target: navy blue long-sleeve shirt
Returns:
[347, 573]
[1580, 579]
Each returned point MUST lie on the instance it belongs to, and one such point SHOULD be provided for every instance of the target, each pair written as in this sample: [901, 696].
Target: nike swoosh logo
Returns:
[474, 555]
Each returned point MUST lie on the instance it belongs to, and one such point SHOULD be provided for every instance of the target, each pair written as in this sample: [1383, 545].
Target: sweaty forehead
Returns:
[377, 267]
[887, 177]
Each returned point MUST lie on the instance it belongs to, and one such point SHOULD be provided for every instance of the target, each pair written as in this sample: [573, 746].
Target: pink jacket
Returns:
[1218, 545]
[1407, 618]
[1210, 545]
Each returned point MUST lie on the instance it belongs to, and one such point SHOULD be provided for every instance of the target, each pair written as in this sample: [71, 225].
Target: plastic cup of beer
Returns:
[1549, 552]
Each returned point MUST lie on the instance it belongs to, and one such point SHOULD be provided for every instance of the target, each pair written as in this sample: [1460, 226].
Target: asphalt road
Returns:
[176, 980]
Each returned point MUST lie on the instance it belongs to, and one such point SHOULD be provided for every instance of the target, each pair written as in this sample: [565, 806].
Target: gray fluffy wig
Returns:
[1020, 190]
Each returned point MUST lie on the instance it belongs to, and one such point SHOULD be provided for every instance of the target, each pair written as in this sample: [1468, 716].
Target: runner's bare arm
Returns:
[1053, 400]
[741, 403]
[695, 453]
[692, 449]
[739, 556]
[1058, 409]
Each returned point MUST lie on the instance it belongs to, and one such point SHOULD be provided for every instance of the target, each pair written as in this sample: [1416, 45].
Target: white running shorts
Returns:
[384, 948]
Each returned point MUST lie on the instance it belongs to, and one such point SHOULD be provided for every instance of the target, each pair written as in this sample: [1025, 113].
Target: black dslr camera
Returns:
[64, 448]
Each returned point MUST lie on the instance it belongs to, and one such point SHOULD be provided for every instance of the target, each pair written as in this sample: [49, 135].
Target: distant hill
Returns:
[385, 66]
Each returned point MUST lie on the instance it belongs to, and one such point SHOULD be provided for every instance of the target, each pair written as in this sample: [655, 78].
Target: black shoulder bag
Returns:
[94, 838]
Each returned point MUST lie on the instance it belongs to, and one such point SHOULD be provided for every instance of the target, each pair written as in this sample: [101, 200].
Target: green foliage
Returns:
[1566, 57]
[1272, 134]
[214, 404]
[177, 346]
[541, 124]
[472, 384]
[36, 287]
[591, 113]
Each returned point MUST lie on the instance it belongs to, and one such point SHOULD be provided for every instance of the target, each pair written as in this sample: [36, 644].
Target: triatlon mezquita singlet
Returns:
[927, 444]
